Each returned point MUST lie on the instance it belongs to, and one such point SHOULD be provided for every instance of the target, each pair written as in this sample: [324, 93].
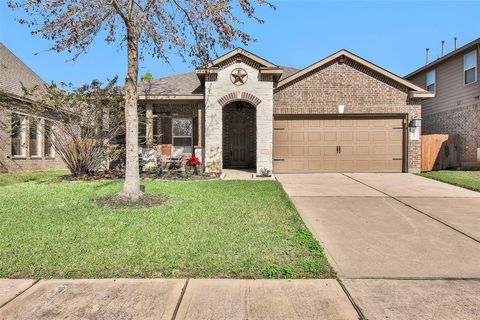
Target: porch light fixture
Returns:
[416, 122]
[341, 108]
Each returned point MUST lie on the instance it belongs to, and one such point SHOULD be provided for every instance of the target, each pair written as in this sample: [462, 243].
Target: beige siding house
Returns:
[25, 144]
[455, 109]
[341, 114]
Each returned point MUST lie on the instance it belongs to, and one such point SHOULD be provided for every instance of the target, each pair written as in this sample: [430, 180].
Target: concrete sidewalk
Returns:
[174, 299]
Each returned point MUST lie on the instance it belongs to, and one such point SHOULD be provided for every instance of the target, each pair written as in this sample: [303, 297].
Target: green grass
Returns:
[13, 178]
[464, 178]
[216, 229]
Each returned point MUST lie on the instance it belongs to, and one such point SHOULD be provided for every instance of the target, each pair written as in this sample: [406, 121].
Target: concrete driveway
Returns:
[404, 246]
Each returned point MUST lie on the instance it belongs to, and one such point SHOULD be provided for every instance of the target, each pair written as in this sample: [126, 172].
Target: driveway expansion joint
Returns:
[20, 293]
[417, 210]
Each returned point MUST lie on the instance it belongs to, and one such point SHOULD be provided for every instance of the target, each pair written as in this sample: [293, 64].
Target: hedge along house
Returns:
[341, 114]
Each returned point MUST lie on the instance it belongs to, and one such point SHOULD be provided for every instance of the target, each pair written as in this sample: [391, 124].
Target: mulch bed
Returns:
[117, 201]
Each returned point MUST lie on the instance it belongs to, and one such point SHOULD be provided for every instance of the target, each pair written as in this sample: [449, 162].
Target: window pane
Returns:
[430, 77]
[431, 88]
[33, 137]
[16, 135]
[182, 127]
[470, 60]
[183, 142]
[470, 75]
[47, 139]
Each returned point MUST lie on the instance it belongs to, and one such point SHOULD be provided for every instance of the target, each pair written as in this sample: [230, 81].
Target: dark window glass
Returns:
[431, 88]
[33, 137]
[470, 75]
[182, 127]
[156, 131]
[16, 134]
[47, 140]
[142, 125]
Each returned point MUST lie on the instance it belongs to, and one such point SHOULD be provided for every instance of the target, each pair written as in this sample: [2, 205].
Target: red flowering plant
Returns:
[193, 162]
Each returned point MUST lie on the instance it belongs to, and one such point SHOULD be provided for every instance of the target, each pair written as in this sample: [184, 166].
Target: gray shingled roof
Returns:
[180, 84]
[13, 72]
[185, 84]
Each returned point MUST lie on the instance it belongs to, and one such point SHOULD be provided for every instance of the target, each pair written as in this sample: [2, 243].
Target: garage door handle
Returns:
[339, 149]
[278, 159]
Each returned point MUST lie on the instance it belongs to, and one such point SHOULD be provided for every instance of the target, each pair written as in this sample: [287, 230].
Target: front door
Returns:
[239, 136]
[239, 156]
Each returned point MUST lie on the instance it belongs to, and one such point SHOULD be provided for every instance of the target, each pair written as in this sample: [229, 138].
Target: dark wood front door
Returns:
[239, 153]
[239, 136]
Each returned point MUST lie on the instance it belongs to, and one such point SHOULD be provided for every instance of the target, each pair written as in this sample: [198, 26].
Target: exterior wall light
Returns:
[416, 122]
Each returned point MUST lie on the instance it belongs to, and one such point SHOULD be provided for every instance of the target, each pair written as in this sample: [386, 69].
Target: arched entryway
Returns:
[239, 135]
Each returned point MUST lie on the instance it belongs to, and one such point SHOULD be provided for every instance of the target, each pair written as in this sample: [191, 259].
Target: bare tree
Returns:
[191, 28]
[81, 123]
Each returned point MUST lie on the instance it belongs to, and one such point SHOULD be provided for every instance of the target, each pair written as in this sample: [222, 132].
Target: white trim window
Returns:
[431, 80]
[470, 67]
[18, 135]
[182, 136]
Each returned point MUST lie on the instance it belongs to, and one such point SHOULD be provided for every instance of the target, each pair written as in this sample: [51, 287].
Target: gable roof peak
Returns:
[245, 53]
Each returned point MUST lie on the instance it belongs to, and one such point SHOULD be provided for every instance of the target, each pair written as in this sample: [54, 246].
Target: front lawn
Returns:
[215, 229]
[463, 178]
[13, 178]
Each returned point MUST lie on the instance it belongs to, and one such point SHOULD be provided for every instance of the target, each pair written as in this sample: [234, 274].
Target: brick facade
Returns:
[12, 164]
[463, 121]
[361, 91]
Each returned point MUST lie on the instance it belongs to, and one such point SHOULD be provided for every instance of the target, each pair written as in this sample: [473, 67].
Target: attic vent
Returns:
[238, 58]
[342, 59]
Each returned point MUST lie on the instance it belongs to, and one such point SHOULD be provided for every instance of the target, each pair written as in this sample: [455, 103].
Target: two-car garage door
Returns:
[338, 145]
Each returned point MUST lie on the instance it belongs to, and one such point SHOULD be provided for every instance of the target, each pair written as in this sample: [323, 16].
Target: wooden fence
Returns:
[439, 151]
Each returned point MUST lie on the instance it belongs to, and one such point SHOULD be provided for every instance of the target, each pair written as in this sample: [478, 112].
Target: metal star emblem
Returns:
[238, 76]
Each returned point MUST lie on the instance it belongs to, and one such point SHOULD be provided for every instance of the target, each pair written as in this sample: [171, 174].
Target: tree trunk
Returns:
[131, 186]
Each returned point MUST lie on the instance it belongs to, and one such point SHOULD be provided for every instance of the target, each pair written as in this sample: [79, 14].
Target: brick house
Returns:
[341, 114]
[455, 109]
[25, 142]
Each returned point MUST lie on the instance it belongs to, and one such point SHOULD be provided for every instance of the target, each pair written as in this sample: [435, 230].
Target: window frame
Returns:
[475, 67]
[434, 83]
[175, 136]
[24, 131]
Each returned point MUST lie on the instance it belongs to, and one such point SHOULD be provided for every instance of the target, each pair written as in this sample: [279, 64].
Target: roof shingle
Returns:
[14, 73]
[184, 84]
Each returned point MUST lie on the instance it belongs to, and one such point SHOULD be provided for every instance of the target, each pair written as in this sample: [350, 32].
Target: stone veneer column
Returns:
[259, 91]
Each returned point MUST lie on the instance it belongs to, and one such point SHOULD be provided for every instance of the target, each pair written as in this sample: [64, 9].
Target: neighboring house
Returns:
[25, 142]
[456, 106]
[341, 114]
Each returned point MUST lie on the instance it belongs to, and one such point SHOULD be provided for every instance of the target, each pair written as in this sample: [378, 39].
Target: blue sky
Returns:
[392, 34]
